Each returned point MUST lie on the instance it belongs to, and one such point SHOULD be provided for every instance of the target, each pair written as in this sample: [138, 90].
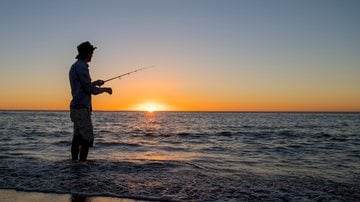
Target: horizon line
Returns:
[194, 111]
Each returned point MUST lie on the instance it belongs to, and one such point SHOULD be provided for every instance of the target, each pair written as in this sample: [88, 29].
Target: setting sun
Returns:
[151, 107]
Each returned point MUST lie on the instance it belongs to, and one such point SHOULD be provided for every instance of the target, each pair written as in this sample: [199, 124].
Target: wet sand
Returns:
[7, 195]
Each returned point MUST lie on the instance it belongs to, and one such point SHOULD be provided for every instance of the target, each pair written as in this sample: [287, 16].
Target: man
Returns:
[80, 107]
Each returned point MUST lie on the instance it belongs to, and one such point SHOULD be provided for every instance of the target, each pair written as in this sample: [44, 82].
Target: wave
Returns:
[166, 181]
[111, 144]
[208, 134]
[62, 143]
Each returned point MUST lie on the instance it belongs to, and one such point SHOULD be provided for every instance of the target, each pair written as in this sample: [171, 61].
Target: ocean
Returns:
[187, 156]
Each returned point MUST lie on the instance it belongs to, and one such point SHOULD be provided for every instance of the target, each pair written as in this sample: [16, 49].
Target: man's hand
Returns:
[98, 83]
[107, 90]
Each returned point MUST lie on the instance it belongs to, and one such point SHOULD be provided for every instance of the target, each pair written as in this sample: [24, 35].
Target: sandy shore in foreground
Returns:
[19, 196]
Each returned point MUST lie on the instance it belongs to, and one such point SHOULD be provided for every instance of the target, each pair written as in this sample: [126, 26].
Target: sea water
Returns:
[187, 156]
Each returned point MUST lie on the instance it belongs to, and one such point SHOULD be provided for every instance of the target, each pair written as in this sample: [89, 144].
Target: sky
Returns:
[209, 55]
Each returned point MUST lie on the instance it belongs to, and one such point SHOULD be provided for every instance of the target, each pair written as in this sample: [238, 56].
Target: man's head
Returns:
[85, 51]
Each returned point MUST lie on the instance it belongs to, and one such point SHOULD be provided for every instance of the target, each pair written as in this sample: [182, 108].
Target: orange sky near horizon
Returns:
[131, 94]
[158, 88]
[184, 87]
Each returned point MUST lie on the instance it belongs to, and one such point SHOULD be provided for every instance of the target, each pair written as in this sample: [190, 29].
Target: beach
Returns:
[8, 195]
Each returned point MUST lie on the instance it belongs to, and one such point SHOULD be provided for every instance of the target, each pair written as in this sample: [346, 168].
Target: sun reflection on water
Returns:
[153, 156]
[147, 138]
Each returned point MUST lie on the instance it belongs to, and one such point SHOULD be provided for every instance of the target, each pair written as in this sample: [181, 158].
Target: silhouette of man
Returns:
[80, 106]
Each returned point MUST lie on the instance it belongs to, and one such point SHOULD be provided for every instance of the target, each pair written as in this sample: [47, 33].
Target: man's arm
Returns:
[107, 90]
[85, 81]
[100, 83]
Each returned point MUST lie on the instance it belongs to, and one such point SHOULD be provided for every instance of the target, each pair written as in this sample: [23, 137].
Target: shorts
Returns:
[83, 128]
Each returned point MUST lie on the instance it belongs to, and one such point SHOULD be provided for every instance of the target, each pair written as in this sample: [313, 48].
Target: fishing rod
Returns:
[118, 77]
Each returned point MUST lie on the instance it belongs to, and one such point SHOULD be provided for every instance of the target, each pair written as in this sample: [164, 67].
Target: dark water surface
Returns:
[187, 156]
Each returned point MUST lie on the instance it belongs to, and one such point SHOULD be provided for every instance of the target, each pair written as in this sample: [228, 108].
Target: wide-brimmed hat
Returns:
[85, 48]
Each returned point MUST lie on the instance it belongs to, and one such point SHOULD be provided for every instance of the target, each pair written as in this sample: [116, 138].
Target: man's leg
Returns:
[74, 151]
[84, 150]
[87, 134]
[75, 145]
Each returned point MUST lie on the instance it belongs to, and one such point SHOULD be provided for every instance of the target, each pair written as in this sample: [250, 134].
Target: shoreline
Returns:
[13, 195]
